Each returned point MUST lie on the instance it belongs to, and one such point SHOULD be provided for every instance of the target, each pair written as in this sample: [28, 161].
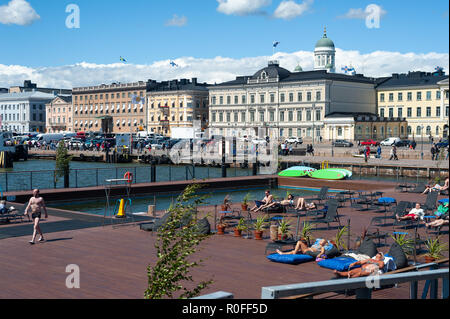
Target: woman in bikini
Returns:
[36, 204]
[303, 248]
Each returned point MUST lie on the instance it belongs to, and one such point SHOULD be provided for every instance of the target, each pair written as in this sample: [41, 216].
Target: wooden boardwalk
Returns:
[113, 262]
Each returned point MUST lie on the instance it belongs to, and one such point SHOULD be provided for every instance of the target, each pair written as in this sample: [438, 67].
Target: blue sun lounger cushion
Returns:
[289, 259]
[338, 263]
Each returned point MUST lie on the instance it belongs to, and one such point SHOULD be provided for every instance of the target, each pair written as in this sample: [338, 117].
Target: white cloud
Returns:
[215, 70]
[362, 14]
[176, 21]
[290, 9]
[18, 12]
[242, 7]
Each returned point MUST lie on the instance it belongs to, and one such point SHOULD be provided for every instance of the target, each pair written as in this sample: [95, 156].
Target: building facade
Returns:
[360, 126]
[24, 112]
[176, 103]
[419, 98]
[59, 115]
[115, 108]
[277, 103]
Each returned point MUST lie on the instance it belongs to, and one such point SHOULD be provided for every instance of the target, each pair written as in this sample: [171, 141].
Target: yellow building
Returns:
[417, 97]
[115, 108]
[176, 104]
[59, 115]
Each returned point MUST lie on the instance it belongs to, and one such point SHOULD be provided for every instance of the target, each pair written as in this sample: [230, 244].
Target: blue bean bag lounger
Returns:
[338, 263]
[290, 259]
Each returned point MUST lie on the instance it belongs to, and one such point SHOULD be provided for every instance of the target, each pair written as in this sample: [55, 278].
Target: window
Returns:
[419, 112]
[252, 116]
[419, 130]
[282, 97]
[409, 97]
[299, 132]
[400, 96]
[419, 96]
[290, 132]
[391, 112]
[308, 96]
[299, 116]
[281, 116]
[272, 98]
[228, 99]
[291, 97]
[381, 112]
[308, 116]
[318, 96]
[213, 101]
[243, 117]
[428, 130]
[428, 95]
[438, 95]
[409, 130]
[318, 115]
[261, 98]
[290, 118]
[261, 116]
[221, 100]
[252, 99]
[400, 112]
[244, 99]
[228, 117]
[236, 119]
[220, 117]
[272, 116]
[236, 100]
[213, 117]
[382, 97]
[391, 97]
[409, 112]
[438, 111]
[428, 111]
[339, 130]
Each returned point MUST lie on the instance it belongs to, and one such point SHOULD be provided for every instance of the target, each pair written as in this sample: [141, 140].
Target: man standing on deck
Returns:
[36, 204]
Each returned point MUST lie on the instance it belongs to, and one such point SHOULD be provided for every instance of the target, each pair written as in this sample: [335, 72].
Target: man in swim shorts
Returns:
[36, 204]
[371, 266]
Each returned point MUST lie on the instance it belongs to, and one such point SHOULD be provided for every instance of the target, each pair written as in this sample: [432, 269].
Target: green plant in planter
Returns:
[260, 223]
[284, 227]
[339, 239]
[246, 199]
[306, 231]
[406, 243]
[241, 225]
[435, 248]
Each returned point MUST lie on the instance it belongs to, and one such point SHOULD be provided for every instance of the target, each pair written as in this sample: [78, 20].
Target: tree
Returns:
[63, 160]
[177, 240]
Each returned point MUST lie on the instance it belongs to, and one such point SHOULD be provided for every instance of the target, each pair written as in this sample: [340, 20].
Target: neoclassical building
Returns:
[59, 115]
[278, 103]
[421, 98]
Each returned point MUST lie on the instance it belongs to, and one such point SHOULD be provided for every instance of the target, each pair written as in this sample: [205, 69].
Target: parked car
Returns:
[390, 141]
[444, 143]
[297, 140]
[370, 142]
[342, 143]
[258, 140]
[75, 143]
[403, 143]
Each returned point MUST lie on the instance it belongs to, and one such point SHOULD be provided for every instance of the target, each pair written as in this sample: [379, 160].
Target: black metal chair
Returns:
[323, 195]
[331, 215]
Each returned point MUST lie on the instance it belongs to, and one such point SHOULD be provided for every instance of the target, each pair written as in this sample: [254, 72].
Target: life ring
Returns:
[129, 177]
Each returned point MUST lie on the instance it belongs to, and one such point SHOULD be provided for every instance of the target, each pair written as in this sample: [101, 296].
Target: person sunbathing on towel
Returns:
[437, 187]
[440, 221]
[303, 248]
[369, 267]
[303, 205]
[260, 205]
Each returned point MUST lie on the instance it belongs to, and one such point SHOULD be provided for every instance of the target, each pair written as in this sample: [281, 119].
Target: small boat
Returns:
[296, 171]
[329, 174]
[348, 174]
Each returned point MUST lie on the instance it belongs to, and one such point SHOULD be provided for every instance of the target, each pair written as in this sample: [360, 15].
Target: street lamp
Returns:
[421, 137]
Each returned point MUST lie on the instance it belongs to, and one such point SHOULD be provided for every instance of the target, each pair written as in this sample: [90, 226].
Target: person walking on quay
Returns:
[367, 153]
[36, 204]
[379, 152]
[433, 151]
[393, 153]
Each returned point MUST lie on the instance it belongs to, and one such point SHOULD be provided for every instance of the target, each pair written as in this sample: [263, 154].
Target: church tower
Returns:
[324, 54]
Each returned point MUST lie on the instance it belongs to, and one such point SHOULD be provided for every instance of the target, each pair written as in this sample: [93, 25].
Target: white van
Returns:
[48, 138]
[390, 141]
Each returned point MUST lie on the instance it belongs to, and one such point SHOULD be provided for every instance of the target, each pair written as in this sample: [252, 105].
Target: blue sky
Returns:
[136, 29]
[213, 40]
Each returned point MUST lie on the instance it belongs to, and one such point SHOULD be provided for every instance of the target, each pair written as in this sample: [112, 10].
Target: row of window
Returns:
[262, 98]
[16, 117]
[180, 105]
[283, 116]
[59, 120]
[409, 96]
[107, 96]
[107, 110]
[17, 107]
[409, 112]
[59, 110]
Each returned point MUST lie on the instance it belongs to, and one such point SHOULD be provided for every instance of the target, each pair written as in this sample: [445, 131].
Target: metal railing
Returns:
[94, 177]
[361, 285]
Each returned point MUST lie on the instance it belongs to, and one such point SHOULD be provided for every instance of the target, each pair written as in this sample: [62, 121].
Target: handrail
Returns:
[276, 292]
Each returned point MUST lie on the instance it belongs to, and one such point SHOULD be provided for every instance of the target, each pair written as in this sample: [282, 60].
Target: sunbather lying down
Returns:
[300, 203]
[303, 248]
[372, 266]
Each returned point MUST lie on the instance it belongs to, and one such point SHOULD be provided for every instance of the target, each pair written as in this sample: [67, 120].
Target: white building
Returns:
[24, 112]
[325, 54]
[290, 104]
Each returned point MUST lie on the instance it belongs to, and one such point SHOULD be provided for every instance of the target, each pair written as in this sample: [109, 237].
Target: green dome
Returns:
[329, 66]
[325, 42]
[298, 69]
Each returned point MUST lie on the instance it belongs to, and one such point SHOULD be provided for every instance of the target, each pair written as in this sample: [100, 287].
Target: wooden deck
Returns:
[113, 262]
